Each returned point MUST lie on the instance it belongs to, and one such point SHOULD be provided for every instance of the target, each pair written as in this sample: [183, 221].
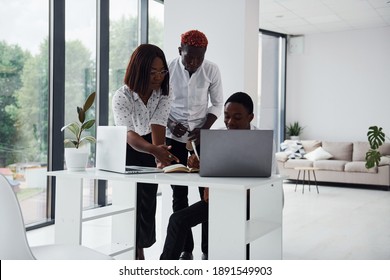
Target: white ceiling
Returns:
[298, 17]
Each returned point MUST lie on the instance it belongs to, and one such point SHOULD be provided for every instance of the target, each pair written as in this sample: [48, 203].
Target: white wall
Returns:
[232, 32]
[340, 84]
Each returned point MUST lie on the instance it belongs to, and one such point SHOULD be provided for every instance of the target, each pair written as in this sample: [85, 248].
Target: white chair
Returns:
[13, 240]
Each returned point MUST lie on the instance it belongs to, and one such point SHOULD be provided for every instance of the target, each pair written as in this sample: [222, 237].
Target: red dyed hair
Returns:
[194, 38]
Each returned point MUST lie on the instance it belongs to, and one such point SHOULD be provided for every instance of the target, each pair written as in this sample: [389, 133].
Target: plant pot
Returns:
[76, 159]
[294, 137]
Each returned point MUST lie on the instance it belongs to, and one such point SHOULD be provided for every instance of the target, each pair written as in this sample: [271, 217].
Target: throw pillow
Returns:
[385, 160]
[318, 154]
[293, 149]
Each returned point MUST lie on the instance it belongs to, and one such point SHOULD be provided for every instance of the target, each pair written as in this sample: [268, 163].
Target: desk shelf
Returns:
[107, 211]
[115, 249]
[70, 215]
[257, 228]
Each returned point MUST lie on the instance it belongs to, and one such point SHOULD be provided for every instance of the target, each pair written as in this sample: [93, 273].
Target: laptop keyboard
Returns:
[131, 170]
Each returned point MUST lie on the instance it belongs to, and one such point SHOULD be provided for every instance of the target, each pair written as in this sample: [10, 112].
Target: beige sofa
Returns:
[346, 165]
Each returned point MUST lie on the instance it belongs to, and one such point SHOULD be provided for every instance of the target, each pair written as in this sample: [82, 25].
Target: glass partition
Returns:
[271, 105]
[123, 41]
[24, 85]
[156, 23]
[24, 103]
[80, 71]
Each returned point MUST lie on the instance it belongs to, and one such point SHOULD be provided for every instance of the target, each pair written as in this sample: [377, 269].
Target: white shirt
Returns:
[129, 110]
[191, 95]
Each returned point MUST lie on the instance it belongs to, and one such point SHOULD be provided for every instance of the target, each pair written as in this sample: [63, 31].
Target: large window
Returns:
[24, 84]
[80, 69]
[123, 41]
[24, 102]
[272, 61]
[156, 23]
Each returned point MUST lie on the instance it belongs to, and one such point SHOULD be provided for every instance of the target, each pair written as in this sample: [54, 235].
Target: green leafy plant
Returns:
[77, 128]
[376, 138]
[294, 129]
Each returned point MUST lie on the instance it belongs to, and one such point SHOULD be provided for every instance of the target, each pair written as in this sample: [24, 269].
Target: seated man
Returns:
[238, 113]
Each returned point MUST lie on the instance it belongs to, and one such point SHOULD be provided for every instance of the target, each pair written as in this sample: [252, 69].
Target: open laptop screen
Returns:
[236, 153]
[111, 145]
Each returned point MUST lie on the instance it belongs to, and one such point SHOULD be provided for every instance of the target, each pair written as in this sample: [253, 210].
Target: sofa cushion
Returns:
[339, 150]
[359, 166]
[359, 151]
[281, 156]
[318, 154]
[310, 145]
[385, 160]
[385, 149]
[334, 165]
[293, 149]
[292, 163]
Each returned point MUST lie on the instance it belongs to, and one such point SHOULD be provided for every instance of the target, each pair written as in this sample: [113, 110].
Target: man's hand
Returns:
[193, 161]
[194, 135]
[176, 128]
[206, 194]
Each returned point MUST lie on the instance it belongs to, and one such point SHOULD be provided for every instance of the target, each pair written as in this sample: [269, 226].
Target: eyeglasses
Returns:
[162, 73]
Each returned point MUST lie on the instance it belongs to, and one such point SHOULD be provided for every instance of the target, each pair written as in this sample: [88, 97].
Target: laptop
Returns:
[236, 153]
[111, 145]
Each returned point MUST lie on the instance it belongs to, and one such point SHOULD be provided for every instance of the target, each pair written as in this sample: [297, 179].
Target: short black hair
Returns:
[242, 98]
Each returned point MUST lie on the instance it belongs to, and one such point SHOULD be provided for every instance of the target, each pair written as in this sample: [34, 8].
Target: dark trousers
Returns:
[146, 199]
[180, 223]
[180, 197]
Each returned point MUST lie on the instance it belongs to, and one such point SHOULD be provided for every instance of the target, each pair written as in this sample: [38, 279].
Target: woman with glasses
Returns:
[142, 104]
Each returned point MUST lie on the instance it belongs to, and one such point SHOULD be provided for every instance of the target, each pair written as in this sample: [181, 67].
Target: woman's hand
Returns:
[163, 156]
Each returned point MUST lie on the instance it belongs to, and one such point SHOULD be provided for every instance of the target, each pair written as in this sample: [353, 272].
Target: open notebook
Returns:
[111, 144]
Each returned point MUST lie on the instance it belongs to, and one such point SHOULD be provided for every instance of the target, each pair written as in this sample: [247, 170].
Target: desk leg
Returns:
[227, 224]
[123, 226]
[267, 206]
[68, 210]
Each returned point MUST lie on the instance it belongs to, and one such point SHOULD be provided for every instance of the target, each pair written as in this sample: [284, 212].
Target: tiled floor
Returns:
[340, 223]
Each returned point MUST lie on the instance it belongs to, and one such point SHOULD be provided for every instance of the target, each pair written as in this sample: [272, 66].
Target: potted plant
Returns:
[294, 130]
[376, 138]
[77, 148]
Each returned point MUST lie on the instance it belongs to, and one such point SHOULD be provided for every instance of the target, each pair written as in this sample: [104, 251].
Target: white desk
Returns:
[229, 232]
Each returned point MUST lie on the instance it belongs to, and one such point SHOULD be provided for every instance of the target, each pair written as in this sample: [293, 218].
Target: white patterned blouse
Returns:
[130, 111]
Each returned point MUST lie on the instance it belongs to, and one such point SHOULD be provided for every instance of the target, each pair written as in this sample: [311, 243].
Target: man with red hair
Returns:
[195, 83]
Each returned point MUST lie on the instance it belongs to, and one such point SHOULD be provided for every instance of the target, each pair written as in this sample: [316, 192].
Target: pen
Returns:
[194, 147]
